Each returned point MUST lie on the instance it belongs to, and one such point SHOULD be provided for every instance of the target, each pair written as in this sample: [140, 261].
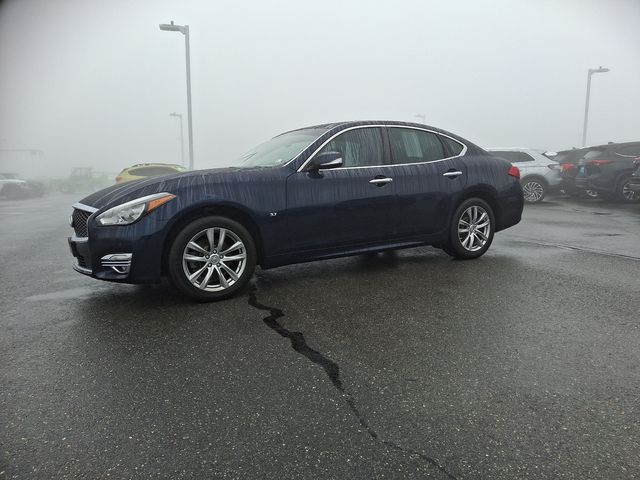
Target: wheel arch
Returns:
[230, 211]
[484, 192]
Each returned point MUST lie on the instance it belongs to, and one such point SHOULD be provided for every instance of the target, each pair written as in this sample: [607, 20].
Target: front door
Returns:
[346, 206]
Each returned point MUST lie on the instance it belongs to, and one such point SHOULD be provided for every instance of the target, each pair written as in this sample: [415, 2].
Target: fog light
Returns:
[118, 262]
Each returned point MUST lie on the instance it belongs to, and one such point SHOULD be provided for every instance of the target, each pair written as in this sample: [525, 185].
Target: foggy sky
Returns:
[92, 82]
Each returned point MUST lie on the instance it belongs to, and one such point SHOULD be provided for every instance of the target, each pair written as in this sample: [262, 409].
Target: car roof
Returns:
[356, 123]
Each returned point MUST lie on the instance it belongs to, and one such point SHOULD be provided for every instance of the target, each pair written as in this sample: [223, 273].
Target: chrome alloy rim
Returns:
[474, 227]
[214, 259]
[533, 191]
[628, 193]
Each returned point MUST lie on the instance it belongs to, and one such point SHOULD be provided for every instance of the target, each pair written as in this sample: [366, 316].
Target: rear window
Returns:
[593, 154]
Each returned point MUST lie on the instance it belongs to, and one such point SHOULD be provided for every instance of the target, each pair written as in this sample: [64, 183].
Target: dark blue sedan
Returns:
[319, 192]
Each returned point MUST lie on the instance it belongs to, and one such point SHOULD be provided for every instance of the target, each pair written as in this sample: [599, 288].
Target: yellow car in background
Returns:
[146, 170]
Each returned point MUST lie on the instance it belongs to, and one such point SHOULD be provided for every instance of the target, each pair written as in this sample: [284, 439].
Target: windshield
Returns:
[279, 150]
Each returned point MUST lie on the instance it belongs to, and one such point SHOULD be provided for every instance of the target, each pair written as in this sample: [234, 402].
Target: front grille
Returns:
[80, 218]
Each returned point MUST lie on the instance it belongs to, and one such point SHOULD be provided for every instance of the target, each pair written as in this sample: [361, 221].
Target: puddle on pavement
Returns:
[62, 294]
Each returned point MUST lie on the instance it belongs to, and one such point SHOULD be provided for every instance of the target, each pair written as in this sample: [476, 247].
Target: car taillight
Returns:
[599, 162]
[514, 172]
[566, 167]
[118, 178]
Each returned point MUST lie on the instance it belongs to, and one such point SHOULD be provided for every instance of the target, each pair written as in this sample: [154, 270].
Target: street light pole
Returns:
[179, 115]
[184, 29]
[586, 104]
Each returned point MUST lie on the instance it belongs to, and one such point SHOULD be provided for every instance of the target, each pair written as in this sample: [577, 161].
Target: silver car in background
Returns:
[539, 174]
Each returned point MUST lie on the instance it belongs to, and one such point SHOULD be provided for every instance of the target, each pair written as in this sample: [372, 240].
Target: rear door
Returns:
[427, 172]
[347, 206]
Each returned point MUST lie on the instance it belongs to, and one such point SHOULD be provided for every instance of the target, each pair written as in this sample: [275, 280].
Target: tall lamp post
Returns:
[184, 29]
[586, 104]
[179, 115]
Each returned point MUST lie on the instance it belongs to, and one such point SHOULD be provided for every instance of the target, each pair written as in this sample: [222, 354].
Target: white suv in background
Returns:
[539, 175]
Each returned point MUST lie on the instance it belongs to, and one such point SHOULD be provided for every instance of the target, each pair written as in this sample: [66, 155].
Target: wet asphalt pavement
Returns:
[522, 364]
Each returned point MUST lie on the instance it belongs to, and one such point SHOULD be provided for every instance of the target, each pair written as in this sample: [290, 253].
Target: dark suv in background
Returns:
[568, 160]
[634, 181]
[607, 169]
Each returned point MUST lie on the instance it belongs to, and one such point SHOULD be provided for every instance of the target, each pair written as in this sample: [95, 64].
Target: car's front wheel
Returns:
[472, 228]
[211, 258]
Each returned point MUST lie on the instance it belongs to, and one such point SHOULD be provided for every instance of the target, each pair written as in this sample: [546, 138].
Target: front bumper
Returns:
[127, 254]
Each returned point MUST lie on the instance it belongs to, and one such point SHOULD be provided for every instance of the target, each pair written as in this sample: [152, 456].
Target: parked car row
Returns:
[13, 187]
[605, 171]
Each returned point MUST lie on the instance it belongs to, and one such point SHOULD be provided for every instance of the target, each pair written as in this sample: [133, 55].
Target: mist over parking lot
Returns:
[364, 321]
[91, 84]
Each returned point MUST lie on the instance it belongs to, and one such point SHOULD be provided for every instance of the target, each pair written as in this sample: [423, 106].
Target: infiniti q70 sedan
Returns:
[319, 192]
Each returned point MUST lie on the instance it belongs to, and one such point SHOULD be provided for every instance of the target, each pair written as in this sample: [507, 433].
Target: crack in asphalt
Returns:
[332, 369]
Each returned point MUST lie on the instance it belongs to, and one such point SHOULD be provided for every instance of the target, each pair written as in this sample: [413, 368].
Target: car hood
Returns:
[123, 192]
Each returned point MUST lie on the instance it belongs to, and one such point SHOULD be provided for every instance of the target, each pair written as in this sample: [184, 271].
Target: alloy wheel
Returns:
[214, 259]
[533, 191]
[474, 228]
[629, 194]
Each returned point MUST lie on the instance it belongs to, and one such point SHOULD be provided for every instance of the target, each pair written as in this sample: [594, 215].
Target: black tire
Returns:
[455, 245]
[196, 231]
[534, 189]
[624, 195]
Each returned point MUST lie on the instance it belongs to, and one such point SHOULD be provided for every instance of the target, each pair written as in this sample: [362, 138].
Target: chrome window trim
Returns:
[462, 152]
[86, 208]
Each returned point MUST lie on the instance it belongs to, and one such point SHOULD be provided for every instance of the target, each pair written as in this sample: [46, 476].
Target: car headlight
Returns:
[132, 211]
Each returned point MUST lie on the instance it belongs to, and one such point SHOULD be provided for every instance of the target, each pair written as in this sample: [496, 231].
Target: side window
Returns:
[414, 146]
[454, 147]
[629, 151]
[361, 147]
[514, 157]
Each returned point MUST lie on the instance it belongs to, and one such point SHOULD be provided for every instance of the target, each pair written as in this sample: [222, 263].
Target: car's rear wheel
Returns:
[624, 194]
[534, 190]
[472, 228]
[211, 258]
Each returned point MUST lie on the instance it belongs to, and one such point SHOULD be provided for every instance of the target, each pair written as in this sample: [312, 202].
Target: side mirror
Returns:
[326, 161]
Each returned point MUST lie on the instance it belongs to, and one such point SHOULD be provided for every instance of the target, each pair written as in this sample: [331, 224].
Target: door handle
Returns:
[452, 173]
[381, 182]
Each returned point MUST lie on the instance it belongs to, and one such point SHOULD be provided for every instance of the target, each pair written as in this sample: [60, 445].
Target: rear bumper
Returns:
[510, 206]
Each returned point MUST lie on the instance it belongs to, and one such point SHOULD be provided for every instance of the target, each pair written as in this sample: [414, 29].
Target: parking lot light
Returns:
[586, 105]
[184, 29]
